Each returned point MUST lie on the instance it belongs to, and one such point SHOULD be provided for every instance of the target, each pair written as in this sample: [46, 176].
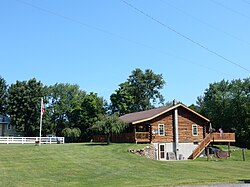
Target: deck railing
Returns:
[212, 137]
[31, 140]
[204, 143]
[223, 137]
[124, 137]
[142, 137]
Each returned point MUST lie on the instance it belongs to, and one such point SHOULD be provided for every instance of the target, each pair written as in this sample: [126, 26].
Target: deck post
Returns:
[208, 156]
[135, 134]
[243, 154]
[150, 133]
[228, 149]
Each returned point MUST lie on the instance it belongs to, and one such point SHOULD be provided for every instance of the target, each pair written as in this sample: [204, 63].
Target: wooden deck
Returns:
[124, 137]
[225, 137]
[213, 137]
[121, 138]
[142, 137]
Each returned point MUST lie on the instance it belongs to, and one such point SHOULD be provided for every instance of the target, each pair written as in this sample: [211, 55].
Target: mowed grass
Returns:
[87, 164]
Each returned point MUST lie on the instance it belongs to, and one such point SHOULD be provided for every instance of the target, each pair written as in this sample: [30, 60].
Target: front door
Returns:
[162, 152]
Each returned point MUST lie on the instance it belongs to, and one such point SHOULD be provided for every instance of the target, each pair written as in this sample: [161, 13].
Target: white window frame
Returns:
[194, 126]
[159, 129]
[162, 152]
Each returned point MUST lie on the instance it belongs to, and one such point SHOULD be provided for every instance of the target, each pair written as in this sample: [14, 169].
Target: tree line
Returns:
[227, 105]
[74, 113]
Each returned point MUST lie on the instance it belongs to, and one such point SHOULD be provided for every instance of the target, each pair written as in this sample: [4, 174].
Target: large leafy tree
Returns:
[215, 104]
[71, 133]
[109, 125]
[72, 110]
[94, 107]
[24, 98]
[90, 110]
[62, 100]
[3, 95]
[227, 105]
[140, 92]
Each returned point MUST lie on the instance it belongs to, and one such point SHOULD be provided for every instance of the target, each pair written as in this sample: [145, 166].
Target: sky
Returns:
[96, 44]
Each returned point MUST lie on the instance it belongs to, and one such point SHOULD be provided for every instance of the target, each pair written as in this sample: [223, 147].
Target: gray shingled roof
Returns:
[137, 116]
[147, 115]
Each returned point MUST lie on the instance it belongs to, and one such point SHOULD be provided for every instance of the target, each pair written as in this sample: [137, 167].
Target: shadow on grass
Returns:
[95, 144]
[245, 181]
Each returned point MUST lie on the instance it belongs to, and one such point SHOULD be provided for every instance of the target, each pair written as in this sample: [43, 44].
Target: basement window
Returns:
[195, 130]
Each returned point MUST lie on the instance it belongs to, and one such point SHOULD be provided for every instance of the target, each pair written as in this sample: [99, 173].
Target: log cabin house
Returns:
[175, 132]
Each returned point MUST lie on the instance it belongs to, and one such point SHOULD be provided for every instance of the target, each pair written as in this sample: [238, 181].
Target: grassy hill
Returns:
[101, 165]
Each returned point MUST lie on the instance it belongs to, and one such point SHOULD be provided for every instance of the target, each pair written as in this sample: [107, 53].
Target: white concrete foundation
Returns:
[185, 150]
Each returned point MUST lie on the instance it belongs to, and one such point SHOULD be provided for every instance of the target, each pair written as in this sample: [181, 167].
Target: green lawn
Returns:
[113, 165]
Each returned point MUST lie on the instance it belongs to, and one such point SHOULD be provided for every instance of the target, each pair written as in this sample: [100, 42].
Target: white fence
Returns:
[31, 140]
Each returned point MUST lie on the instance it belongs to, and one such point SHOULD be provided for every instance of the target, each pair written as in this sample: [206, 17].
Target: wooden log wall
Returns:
[167, 120]
[185, 121]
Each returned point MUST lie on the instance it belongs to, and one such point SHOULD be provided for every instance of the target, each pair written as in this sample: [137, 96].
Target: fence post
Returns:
[243, 154]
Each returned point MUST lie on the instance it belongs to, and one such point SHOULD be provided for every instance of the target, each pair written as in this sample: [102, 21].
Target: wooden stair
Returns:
[212, 137]
[205, 142]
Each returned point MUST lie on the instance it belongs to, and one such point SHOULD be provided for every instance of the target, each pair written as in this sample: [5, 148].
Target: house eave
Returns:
[167, 110]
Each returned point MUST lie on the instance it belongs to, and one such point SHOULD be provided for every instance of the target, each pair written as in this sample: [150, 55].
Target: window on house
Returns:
[195, 130]
[161, 129]
[8, 126]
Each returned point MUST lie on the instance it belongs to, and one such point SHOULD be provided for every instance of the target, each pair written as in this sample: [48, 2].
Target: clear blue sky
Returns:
[97, 44]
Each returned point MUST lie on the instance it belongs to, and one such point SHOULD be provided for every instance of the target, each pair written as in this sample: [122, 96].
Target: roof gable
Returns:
[147, 115]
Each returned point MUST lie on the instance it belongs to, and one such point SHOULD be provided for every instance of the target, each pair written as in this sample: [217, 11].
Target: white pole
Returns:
[41, 120]
[176, 133]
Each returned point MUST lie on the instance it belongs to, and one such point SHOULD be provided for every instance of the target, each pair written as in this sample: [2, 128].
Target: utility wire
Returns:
[65, 17]
[118, 36]
[184, 36]
[205, 23]
[232, 10]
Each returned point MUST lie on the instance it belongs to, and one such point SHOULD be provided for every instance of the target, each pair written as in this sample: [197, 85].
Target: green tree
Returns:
[216, 104]
[92, 108]
[139, 92]
[109, 125]
[227, 105]
[71, 133]
[240, 110]
[24, 101]
[71, 108]
[62, 99]
[3, 96]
